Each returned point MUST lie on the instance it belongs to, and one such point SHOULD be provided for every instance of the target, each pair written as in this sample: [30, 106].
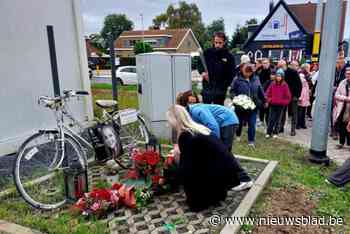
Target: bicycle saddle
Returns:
[106, 103]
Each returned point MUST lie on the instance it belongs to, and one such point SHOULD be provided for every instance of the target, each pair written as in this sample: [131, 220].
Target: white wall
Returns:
[25, 71]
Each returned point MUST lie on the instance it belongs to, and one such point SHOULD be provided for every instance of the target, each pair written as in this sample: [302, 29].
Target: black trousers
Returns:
[344, 135]
[293, 112]
[214, 99]
[309, 108]
[227, 135]
[301, 117]
[264, 115]
[274, 119]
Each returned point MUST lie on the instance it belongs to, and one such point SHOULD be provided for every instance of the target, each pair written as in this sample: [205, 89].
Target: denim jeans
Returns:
[251, 120]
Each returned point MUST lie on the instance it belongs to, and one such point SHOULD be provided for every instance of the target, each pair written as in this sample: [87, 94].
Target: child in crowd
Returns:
[304, 102]
[278, 97]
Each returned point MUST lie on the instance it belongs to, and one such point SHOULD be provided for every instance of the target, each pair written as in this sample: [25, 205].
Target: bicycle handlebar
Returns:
[51, 101]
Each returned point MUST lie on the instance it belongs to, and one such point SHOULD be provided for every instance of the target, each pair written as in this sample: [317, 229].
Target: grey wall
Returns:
[25, 71]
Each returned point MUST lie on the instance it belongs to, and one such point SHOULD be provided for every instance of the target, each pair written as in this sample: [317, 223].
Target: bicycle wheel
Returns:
[135, 133]
[35, 174]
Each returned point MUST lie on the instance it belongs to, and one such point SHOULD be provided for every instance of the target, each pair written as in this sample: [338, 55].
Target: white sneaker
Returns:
[243, 186]
[274, 136]
[267, 136]
[238, 139]
[251, 145]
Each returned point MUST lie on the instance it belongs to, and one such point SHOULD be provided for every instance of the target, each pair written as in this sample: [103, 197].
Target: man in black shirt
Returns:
[294, 83]
[220, 64]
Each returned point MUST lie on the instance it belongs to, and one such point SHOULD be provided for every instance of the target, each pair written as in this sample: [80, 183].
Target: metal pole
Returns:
[330, 37]
[317, 32]
[114, 79]
[53, 60]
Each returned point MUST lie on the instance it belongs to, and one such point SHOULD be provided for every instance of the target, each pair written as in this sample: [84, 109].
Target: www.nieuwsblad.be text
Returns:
[217, 220]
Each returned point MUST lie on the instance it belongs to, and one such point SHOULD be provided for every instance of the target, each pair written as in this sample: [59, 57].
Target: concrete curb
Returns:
[11, 228]
[251, 197]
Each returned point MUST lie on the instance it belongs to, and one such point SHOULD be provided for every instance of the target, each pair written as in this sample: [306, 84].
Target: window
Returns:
[133, 69]
[132, 43]
[189, 44]
[128, 69]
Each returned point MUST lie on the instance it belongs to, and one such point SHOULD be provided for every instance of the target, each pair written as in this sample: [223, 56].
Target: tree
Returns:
[98, 42]
[116, 24]
[241, 34]
[216, 26]
[142, 47]
[184, 16]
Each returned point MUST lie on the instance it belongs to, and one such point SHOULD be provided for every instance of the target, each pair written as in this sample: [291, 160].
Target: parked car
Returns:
[126, 75]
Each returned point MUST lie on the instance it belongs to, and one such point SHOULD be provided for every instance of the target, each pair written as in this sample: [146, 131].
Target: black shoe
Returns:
[281, 131]
[297, 127]
[304, 127]
[293, 133]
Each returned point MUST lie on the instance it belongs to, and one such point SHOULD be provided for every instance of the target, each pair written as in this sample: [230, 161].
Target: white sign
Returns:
[117, 61]
[280, 26]
[128, 116]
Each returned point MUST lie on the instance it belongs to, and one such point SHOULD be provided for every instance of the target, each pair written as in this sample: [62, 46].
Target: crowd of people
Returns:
[204, 132]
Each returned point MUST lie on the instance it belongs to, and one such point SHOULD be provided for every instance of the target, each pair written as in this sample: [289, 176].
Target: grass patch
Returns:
[294, 170]
[127, 97]
[109, 86]
[17, 211]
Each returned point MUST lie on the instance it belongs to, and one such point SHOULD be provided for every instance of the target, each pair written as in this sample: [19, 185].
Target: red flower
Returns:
[102, 194]
[155, 179]
[116, 186]
[139, 158]
[169, 161]
[152, 158]
[132, 174]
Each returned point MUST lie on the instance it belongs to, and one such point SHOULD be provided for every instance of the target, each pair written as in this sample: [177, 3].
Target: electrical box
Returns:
[161, 77]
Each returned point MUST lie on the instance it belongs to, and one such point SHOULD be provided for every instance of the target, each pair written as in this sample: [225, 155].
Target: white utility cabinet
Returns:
[161, 77]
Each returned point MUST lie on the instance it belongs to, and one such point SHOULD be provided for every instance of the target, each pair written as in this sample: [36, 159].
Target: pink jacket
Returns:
[278, 94]
[340, 98]
[304, 99]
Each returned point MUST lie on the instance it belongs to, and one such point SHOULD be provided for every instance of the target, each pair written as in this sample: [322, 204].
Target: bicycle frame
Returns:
[60, 113]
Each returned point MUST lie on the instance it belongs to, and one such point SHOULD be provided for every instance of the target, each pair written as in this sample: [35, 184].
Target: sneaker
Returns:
[252, 145]
[238, 139]
[267, 136]
[275, 136]
[339, 146]
[243, 186]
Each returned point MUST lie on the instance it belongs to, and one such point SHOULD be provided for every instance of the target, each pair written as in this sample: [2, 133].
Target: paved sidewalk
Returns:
[303, 138]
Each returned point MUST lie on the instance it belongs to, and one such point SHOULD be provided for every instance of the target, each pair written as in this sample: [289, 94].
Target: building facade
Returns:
[287, 32]
[168, 40]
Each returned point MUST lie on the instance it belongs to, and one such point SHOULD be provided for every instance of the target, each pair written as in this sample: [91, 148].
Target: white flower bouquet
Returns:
[243, 102]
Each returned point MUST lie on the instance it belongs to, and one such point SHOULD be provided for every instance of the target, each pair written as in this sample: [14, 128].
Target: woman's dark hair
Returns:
[183, 99]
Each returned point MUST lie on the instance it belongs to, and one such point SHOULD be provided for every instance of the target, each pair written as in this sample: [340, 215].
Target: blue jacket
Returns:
[213, 116]
[251, 88]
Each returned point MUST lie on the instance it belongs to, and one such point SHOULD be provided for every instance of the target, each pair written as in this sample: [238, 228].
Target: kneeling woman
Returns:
[207, 169]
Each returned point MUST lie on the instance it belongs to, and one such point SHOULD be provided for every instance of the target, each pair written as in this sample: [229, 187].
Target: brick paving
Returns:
[171, 209]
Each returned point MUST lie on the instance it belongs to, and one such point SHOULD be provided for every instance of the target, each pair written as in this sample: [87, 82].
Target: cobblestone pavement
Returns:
[171, 209]
[303, 138]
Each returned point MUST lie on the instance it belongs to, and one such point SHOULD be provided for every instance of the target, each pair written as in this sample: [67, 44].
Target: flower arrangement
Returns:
[244, 102]
[148, 167]
[101, 200]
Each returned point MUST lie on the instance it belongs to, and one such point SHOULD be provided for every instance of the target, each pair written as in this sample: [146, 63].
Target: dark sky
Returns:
[233, 11]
